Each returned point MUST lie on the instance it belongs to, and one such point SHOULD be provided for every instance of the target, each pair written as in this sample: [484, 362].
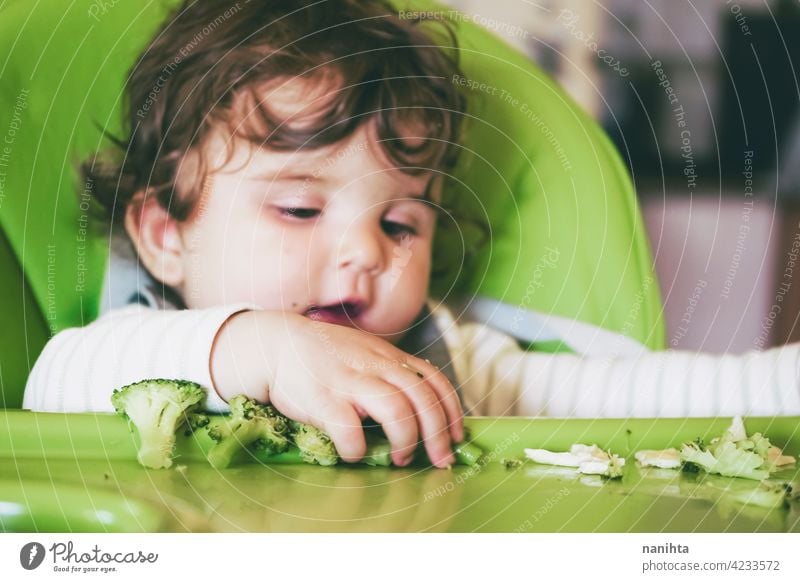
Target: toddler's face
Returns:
[336, 233]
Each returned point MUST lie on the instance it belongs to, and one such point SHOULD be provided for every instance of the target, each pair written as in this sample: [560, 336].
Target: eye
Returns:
[397, 229]
[298, 213]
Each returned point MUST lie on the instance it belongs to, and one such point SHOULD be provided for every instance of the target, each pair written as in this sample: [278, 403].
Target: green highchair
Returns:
[567, 261]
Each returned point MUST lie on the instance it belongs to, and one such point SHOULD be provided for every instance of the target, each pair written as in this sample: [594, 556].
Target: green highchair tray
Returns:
[78, 473]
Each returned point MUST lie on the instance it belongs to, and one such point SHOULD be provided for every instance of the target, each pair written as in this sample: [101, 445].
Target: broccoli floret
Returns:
[157, 408]
[315, 446]
[251, 425]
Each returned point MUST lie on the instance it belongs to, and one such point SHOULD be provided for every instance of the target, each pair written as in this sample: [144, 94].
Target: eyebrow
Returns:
[302, 177]
[420, 198]
[290, 176]
[285, 177]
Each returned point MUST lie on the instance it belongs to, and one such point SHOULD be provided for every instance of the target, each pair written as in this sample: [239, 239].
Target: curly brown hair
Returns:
[210, 55]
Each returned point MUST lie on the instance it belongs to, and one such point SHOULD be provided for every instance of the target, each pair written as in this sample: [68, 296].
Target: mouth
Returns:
[344, 313]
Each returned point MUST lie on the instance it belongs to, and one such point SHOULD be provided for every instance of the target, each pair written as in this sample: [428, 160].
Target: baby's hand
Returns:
[334, 377]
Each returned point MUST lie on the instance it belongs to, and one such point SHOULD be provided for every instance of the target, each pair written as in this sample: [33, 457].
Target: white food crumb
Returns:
[666, 459]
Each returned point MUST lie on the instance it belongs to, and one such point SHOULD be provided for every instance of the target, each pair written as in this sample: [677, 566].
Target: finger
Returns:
[430, 415]
[447, 396]
[338, 419]
[389, 407]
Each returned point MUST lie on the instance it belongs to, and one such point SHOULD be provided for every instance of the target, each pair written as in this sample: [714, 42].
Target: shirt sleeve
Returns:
[497, 377]
[79, 368]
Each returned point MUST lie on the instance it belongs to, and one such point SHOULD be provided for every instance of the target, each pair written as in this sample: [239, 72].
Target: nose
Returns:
[360, 249]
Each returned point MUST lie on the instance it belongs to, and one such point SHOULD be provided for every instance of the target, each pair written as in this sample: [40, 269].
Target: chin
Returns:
[392, 332]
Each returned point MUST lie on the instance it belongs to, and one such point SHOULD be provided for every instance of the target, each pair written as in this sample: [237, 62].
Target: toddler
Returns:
[281, 187]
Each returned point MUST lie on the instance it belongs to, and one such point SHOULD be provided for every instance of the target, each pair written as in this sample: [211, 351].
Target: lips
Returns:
[340, 313]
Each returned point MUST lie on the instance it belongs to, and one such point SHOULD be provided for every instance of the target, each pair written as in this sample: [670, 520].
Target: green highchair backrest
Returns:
[542, 171]
[23, 330]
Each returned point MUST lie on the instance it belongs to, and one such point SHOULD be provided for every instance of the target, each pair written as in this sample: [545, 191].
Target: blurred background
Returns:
[701, 98]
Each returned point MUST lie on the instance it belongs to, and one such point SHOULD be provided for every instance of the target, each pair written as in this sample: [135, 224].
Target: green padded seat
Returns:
[567, 238]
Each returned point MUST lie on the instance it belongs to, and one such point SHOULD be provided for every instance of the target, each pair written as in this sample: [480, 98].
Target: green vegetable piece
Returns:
[290, 456]
[615, 466]
[511, 463]
[467, 453]
[379, 452]
[157, 408]
[734, 454]
[275, 438]
[196, 422]
[761, 444]
[726, 459]
[250, 426]
[315, 446]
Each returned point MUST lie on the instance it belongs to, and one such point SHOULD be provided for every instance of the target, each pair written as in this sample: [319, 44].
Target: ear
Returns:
[156, 235]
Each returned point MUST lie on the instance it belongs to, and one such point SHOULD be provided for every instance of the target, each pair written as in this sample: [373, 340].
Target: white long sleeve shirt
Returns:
[498, 378]
[79, 369]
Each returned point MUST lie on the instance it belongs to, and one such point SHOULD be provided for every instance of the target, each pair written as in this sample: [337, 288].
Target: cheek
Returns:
[213, 270]
[408, 278]
[421, 262]
[406, 294]
[419, 276]
[270, 265]
[251, 263]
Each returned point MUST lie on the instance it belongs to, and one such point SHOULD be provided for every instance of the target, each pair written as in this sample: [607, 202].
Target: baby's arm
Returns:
[330, 376]
[79, 368]
[503, 379]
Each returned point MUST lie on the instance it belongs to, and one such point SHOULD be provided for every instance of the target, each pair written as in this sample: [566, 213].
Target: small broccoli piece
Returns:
[195, 423]
[689, 467]
[511, 463]
[734, 454]
[725, 459]
[157, 408]
[379, 450]
[250, 425]
[315, 446]
[615, 466]
[467, 453]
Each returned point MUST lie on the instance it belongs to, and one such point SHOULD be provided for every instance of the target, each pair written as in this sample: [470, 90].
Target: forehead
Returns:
[359, 156]
[239, 142]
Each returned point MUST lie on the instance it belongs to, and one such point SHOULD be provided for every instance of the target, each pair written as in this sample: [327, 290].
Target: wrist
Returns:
[241, 357]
